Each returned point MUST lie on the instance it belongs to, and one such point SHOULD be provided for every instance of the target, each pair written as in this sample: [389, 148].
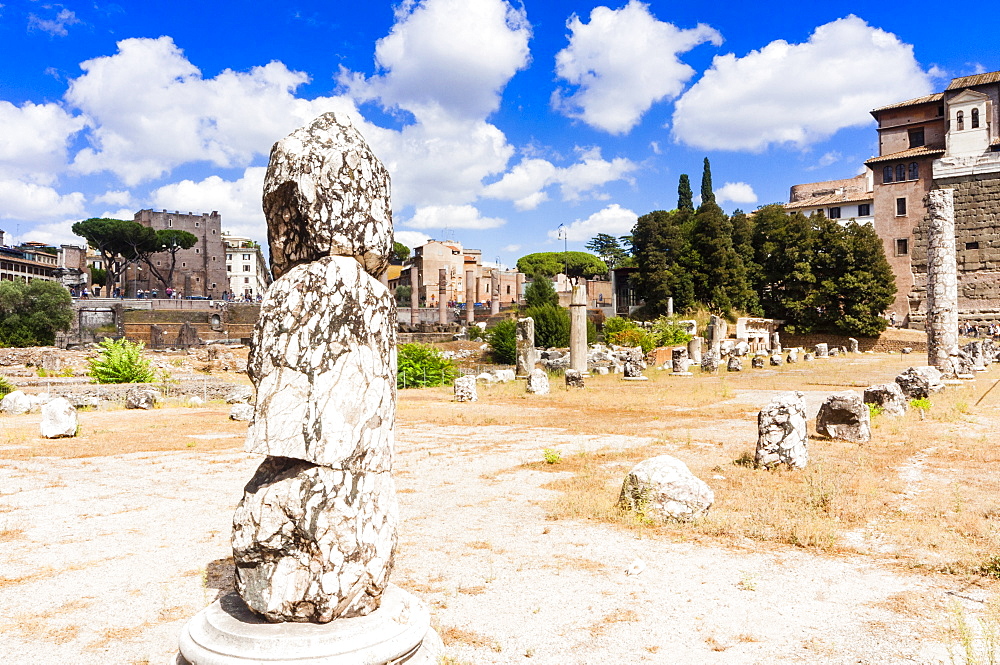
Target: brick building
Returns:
[201, 270]
[435, 255]
[949, 139]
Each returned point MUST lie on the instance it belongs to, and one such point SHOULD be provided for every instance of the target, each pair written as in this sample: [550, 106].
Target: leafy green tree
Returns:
[540, 292]
[400, 251]
[403, 295]
[420, 365]
[121, 361]
[609, 248]
[573, 264]
[31, 313]
[170, 241]
[685, 197]
[502, 340]
[720, 276]
[783, 250]
[113, 239]
[707, 193]
[661, 250]
[99, 276]
[551, 325]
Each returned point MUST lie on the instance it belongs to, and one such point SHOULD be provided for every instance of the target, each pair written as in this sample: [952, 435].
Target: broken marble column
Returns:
[470, 298]
[495, 291]
[414, 295]
[526, 353]
[538, 382]
[443, 296]
[822, 350]
[775, 359]
[845, 416]
[942, 281]
[775, 342]
[852, 345]
[710, 361]
[578, 329]
[782, 436]
[716, 333]
[58, 419]
[315, 533]
[757, 362]
[793, 356]
[694, 350]
[635, 362]
[574, 378]
[679, 361]
[465, 389]
[670, 306]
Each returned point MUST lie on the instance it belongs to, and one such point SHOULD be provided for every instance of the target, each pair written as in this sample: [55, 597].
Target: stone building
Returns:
[28, 262]
[435, 255]
[846, 200]
[248, 273]
[947, 140]
[201, 270]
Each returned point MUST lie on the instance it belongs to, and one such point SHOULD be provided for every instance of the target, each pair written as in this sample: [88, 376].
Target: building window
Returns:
[835, 213]
[197, 251]
[213, 285]
[975, 118]
[914, 171]
[229, 257]
[902, 246]
[972, 245]
[900, 173]
[246, 257]
[960, 121]
[170, 221]
[916, 137]
[900, 207]
[864, 209]
[229, 268]
[197, 225]
[184, 265]
[246, 268]
[246, 280]
[887, 174]
[213, 233]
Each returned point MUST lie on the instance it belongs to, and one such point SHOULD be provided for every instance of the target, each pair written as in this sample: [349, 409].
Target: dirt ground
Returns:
[106, 549]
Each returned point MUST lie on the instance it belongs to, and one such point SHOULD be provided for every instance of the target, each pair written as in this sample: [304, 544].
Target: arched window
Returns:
[960, 120]
[900, 173]
[975, 118]
[914, 171]
[887, 174]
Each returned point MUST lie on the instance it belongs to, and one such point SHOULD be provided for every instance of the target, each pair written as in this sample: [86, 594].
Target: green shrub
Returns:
[591, 332]
[633, 337]
[423, 366]
[874, 410]
[474, 332]
[502, 340]
[6, 386]
[551, 326]
[921, 403]
[121, 361]
[616, 324]
[551, 456]
[668, 333]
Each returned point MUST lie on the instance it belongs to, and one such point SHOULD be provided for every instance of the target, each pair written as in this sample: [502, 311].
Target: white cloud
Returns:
[798, 93]
[525, 183]
[452, 217]
[28, 200]
[510, 248]
[114, 197]
[58, 233]
[411, 238]
[455, 55]
[55, 26]
[238, 202]
[736, 192]
[621, 63]
[174, 116]
[34, 139]
[613, 220]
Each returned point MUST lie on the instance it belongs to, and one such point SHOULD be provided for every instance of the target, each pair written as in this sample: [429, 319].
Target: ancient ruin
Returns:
[664, 489]
[844, 416]
[942, 281]
[527, 355]
[782, 436]
[578, 329]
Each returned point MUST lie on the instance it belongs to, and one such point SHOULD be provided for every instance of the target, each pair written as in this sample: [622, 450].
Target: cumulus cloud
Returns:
[525, 184]
[455, 55]
[621, 63]
[173, 115]
[798, 94]
[613, 220]
[28, 200]
[114, 197]
[452, 217]
[411, 238]
[736, 192]
[34, 139]
[238, 201]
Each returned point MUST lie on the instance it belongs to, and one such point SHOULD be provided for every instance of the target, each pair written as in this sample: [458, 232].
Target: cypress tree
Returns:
[685, 198]
[707, 195]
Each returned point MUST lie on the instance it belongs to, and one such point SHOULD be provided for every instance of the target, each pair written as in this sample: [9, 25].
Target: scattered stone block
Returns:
[833, 352]
[822, 350]
[634, 363]
[574, 379]
[792, 357]
[887, 396]
[735, 364]
[906, 350]
[741, 348]
[504, 375]
[920, 382]
[679, 361]
[757, 362]
[852, 345]
[600, 370]
[844, 416]
[664, 489]
[538, 382]
[141, 397]
[808, 357]
[241, 412]
[240, 395]
[710, 361]
[775, 360]
[58, 419]
[465, 389]
[782, 434]
[16, 403]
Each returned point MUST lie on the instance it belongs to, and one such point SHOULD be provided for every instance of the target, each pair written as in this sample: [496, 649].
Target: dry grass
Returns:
[618, 616]
[451, 635]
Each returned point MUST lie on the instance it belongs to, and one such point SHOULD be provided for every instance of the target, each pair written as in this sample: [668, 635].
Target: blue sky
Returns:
[498, 121]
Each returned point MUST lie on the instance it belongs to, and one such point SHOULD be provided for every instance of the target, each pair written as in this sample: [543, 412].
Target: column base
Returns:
[228, 633]
[635, 378]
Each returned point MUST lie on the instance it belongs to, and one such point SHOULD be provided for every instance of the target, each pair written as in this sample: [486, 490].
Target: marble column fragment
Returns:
[578, 329]
[526, 354]
[414, 295]
[443, 296]
[782, 435]
[942, 281]
[679, 361]
[470, 298]
[694, 350]
[494, 291]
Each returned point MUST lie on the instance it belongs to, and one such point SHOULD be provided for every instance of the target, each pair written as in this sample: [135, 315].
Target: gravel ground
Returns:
[103, 559]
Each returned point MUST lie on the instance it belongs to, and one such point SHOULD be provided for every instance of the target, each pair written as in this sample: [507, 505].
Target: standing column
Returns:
[495, 291]
[470, 298]
[414, 296]
[518, 287]
[578, 329]
[443, 296]
[942, 281]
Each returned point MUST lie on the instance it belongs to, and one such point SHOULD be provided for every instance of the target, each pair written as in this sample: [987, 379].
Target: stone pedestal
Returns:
[578, 329]
[228, 633]
[694, 350]
[942, 281]
[822, 351]
[525, 358]
[679, 361]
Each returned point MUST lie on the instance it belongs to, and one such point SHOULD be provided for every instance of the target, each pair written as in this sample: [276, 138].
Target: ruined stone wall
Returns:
[877, 344]
[977, 222]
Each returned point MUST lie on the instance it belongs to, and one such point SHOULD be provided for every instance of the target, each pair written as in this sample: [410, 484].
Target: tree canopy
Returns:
[573, 264]
[540, 292]
[707, 193]
[609, 248]
[400, 251]
[31, 313]
[685, 197]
